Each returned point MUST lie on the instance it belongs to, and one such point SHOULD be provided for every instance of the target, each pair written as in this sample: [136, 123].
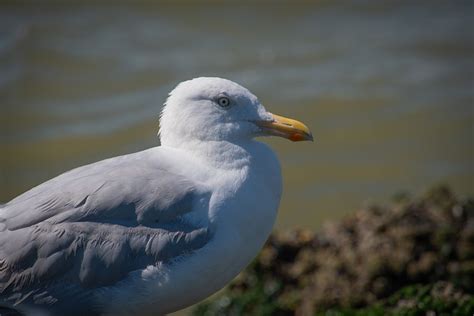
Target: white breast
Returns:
[242, 211]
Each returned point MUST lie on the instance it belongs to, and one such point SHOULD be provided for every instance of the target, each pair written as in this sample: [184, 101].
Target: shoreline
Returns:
[412, 257]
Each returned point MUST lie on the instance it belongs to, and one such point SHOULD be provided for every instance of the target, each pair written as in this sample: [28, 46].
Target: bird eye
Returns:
[223, 102]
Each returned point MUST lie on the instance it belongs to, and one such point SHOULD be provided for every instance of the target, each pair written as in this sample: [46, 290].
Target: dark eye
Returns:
[223, 102]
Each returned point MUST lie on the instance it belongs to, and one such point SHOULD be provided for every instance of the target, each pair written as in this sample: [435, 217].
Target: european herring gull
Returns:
[154, 231]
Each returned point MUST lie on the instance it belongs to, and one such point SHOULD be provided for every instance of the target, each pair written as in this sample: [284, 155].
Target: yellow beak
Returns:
[285, 127]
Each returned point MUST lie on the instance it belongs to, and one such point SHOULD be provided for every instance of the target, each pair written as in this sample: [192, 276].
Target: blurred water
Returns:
[386, 87]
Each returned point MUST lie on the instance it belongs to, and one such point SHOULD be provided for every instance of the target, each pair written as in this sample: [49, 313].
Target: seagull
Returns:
[154, 231]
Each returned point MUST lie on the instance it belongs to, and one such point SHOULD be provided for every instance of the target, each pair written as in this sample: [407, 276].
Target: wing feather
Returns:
[90, 227]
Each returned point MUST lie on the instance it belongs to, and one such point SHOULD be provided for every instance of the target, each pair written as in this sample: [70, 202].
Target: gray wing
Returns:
[91, 226]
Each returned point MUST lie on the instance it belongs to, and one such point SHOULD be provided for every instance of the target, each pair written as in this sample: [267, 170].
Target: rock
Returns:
[382, 259]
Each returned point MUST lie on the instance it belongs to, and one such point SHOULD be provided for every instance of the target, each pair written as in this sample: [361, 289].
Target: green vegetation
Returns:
[413, 257]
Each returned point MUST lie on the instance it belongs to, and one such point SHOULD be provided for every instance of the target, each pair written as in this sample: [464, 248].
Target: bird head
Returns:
[213, 109]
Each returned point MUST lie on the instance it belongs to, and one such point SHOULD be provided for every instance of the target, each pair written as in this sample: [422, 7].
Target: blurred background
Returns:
[386, 87]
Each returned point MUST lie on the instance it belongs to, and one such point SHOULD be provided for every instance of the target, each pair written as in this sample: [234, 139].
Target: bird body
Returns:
[238, 232]
[150, 232]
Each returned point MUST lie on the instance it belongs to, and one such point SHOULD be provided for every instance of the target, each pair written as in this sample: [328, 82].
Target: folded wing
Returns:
[92, 226]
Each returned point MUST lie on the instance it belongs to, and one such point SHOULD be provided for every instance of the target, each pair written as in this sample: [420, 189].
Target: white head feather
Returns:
[192, 112]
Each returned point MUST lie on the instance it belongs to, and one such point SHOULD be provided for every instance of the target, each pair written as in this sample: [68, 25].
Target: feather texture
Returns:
[90, 227]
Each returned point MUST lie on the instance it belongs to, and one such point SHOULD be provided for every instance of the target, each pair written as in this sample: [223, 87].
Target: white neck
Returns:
[221, 154]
